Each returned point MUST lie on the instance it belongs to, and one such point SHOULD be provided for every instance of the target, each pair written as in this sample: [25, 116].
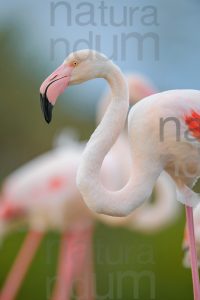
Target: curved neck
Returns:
[97, 198]
[156, 216]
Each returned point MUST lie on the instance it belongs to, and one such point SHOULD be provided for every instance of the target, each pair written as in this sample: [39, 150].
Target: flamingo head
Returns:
[78, 67]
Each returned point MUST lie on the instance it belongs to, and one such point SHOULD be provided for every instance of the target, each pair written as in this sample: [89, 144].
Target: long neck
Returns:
[153, 217]
[97, 198]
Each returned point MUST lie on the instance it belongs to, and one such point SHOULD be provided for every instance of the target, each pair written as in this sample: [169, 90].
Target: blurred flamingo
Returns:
[43, 194]
[150, 156]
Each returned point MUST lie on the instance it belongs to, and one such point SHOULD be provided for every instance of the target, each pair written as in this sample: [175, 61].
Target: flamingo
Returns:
[151, 153]
[43, 194]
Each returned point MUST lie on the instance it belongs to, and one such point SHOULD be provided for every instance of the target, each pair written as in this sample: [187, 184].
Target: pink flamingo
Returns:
[151, 152]
[43, 194]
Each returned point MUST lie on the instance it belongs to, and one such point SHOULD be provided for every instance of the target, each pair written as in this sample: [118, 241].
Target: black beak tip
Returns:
[46, 107]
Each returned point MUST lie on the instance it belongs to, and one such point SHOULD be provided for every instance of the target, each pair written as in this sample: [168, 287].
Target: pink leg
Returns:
[66, 269]
[85, 283]
[193, 255]
[21, 265]
[74, 247]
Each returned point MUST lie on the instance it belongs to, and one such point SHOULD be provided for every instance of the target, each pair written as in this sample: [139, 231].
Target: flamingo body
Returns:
[150, 154]
[173, 152]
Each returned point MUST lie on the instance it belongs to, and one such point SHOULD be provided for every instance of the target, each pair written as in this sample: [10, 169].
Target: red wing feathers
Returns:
[193, 122]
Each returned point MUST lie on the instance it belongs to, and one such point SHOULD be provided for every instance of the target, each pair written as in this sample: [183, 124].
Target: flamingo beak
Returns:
[52, 87]
[46, 107]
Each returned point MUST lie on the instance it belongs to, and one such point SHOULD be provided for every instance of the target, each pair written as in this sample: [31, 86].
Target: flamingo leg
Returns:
[193, 255]
[85, 279]
[66, 269]
[73, 252]
[21, 265]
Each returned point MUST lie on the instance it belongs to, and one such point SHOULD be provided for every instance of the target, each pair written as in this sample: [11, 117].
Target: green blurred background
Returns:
[24, 135]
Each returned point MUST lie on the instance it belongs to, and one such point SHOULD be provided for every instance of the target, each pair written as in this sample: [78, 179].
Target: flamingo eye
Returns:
[75, 63]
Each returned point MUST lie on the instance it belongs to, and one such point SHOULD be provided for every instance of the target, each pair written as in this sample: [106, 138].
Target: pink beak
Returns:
[52, 87]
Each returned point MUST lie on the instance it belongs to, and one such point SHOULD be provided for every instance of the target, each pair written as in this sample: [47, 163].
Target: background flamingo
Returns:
[43, 194]
[149, 156]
